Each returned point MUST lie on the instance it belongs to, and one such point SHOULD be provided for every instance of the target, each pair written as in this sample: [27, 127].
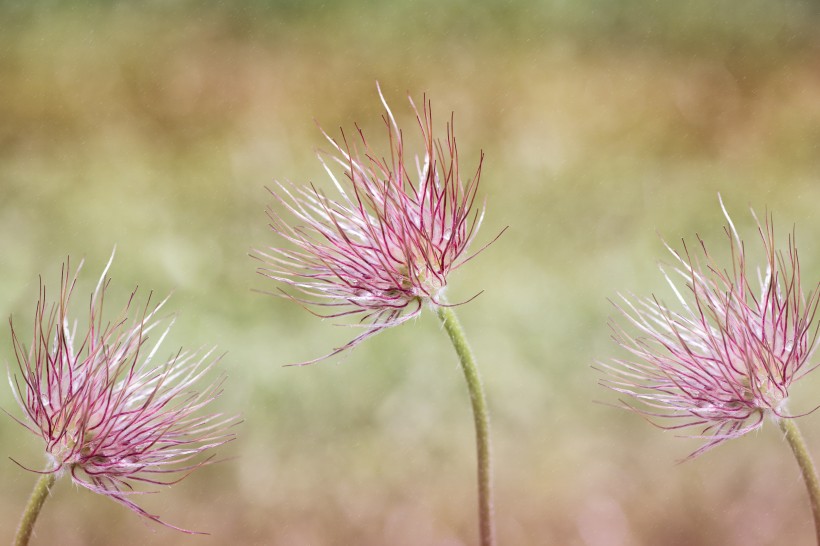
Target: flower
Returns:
[728, 357]
[112, 415]
[387, 244]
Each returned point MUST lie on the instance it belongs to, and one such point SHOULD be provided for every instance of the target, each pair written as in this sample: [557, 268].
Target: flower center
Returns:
[426, 283]
[760, 389]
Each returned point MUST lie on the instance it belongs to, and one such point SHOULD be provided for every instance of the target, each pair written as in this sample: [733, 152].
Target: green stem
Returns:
[798, 446]
[35, 503]
[482, 423]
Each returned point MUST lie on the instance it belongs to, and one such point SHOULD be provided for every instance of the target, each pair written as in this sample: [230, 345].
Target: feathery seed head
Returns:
[727, 355]
[110, 413]
[385, 245]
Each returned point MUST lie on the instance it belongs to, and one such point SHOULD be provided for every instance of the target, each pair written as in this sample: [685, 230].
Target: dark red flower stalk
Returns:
[385, 246]
[112, 413]
[726, 356]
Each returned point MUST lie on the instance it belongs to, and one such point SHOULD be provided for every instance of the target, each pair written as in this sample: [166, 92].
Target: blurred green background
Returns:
[154, 126]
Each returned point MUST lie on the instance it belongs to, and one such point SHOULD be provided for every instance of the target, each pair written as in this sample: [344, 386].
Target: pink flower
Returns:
[109, 411]
[726, 357]
[385, 246]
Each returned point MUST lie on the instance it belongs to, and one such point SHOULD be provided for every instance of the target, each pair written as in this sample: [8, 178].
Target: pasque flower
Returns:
[725, 356]
[385, 245]
[383, 248]
[110, 411]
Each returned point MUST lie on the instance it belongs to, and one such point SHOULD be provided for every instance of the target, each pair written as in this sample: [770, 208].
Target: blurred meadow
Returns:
[155, 126]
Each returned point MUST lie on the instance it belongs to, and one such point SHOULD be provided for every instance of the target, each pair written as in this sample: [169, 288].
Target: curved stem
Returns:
[38, 497]
[482, 423]
[806, 464]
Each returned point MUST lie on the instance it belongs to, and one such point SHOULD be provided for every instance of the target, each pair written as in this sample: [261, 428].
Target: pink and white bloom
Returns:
[385, 245]
[111, 412]
[725, 356]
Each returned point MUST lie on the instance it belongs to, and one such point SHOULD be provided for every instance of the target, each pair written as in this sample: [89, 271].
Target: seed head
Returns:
[110, 413]
[384, 247]
[727, 356]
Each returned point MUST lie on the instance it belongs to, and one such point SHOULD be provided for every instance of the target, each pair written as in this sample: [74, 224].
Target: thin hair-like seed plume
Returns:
[110, 415]
[384, 247]
[728, 357]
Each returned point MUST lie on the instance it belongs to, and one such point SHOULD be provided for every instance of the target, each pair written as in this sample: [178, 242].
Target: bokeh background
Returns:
[154, 126]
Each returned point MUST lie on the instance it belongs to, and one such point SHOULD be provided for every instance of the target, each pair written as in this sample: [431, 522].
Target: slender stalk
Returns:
[482, 423]
[806, 464]
[38, 497]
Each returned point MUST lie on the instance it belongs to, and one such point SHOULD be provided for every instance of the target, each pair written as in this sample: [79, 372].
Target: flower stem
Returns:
[38, 497]
[806, 464]
[482, 423]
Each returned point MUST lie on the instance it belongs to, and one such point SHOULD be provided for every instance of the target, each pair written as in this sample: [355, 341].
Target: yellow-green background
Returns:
[154, 126]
